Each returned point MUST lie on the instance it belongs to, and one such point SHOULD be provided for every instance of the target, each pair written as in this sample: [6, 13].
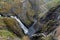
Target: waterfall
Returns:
[21, 24]
[0, 15]
[29, 31]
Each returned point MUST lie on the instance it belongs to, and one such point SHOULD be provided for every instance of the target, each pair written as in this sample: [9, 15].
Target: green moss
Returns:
[27, 22]
[52, 3]
[13, 26]
[5, 34]
[2, 23]
[7, 5]
[30, 13]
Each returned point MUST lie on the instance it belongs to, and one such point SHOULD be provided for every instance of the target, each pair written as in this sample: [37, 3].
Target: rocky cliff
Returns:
[28, 11]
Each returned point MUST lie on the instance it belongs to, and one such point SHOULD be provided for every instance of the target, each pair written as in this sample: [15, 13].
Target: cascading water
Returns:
[29, 31]
[0, 15]
[21, 24]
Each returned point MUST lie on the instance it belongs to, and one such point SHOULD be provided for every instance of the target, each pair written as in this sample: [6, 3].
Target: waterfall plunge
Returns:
[21, 24]
[29, 31]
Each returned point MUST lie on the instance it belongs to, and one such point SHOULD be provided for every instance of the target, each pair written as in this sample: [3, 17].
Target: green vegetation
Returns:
[7, 35]
[10, 23]
[52, 3]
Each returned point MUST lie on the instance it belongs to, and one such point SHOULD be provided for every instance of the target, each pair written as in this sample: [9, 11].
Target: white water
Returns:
[0, 15]
[21, 24]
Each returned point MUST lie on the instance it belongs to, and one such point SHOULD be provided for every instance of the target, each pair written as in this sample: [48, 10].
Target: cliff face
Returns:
[27, 11]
